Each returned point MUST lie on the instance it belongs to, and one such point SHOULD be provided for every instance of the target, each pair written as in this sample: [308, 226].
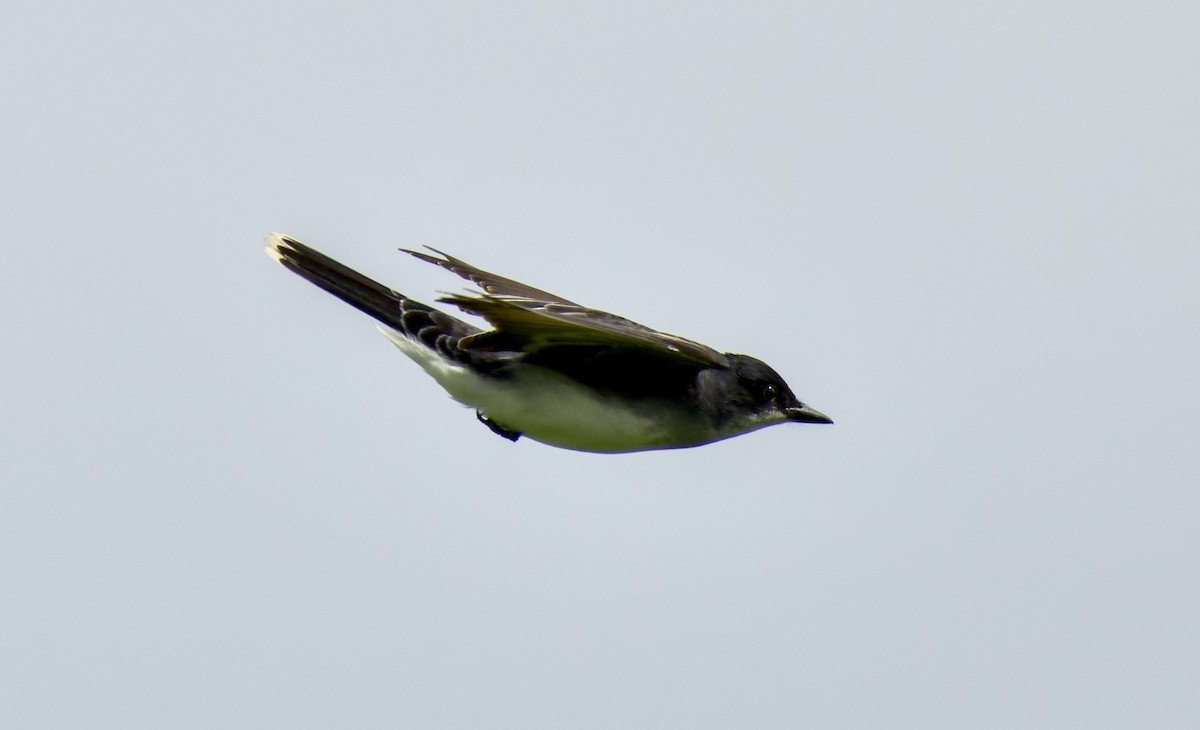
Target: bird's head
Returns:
[749, 395]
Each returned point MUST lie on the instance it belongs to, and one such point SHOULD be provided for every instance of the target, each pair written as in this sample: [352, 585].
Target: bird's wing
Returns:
[491, 283]
[530, 325]
[528, 320]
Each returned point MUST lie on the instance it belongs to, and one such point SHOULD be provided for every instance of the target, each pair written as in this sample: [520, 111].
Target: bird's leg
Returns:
[497, 428]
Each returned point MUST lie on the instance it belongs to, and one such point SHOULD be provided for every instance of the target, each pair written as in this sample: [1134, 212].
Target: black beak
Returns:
[803, 414]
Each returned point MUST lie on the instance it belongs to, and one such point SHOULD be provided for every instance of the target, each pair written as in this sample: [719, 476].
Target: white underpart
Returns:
[548, 407]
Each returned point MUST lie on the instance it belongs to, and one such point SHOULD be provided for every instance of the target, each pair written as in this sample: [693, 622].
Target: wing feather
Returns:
[530, 325]
[527, 319]
[491, 283]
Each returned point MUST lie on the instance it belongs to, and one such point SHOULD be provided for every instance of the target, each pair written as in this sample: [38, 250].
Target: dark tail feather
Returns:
[435, 329]
[367, 295]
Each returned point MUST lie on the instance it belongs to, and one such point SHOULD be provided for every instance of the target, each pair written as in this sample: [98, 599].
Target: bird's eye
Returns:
[769, 391]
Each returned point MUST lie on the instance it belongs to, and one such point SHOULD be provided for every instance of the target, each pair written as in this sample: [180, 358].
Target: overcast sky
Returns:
[968, 232]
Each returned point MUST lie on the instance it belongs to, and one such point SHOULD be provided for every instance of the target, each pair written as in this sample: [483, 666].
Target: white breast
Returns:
[548, 407]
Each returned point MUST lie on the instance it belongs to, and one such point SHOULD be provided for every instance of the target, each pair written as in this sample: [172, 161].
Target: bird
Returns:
[558, 372]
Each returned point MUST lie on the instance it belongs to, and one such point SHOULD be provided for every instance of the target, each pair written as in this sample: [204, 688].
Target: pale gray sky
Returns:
[967, 232]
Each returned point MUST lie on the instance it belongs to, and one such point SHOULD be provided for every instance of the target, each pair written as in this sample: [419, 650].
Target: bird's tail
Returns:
[394, 310]
[367, 295]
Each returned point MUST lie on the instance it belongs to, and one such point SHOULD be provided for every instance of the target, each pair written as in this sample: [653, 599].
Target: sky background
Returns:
[966, 231]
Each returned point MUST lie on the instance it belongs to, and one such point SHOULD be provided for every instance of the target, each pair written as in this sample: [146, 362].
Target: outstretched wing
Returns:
[528, 320]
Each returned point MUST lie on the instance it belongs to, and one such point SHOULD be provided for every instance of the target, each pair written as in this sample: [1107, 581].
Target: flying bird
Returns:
[559, 372]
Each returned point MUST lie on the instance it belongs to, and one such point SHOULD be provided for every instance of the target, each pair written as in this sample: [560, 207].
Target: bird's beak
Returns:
[804, 414]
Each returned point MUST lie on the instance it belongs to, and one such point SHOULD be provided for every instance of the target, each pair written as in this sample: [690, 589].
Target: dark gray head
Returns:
[750, 395]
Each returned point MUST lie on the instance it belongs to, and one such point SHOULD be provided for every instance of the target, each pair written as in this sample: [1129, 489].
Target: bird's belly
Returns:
[553, 409]
[549, 407]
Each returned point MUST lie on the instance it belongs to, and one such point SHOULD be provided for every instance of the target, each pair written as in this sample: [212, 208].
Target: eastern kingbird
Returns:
[559, 372]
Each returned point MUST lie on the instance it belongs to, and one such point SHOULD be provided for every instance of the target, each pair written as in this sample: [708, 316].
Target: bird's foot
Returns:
[497, 428]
